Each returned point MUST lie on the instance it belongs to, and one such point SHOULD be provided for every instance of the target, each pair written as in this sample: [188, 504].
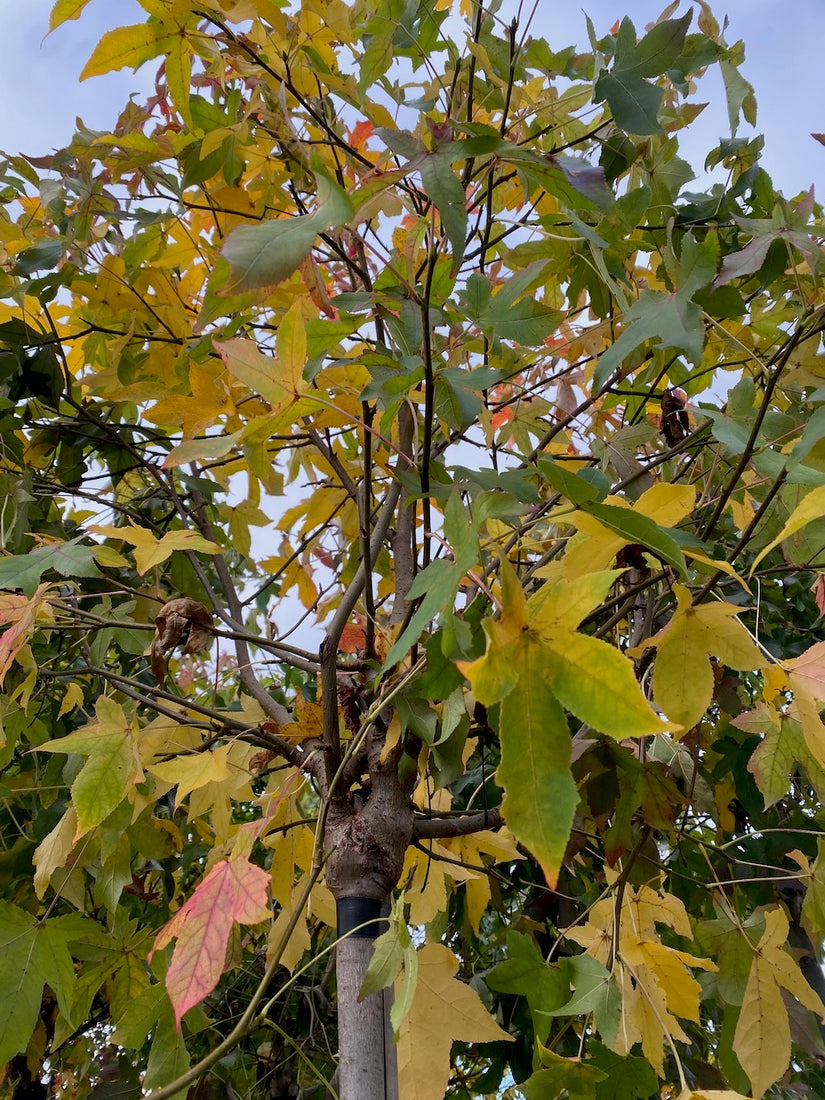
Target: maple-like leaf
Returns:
[683, 674]
[112, 763]
[20, 613]
[535, 664]
[233, 892]
[762, 1041]
[656, 984]
[150, 551]
[443, 1010]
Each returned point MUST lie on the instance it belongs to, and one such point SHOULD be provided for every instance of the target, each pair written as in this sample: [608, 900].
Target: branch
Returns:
[441, 828]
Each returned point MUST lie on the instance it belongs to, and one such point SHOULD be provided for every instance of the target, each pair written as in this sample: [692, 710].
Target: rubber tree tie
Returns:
[362, 917]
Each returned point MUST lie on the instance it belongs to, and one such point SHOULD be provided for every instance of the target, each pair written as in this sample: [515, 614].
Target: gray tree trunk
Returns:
[368, 1068]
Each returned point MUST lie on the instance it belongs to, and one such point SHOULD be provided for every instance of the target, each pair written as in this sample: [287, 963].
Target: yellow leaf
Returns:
[64, 10]
[187, 773]
[53, 851]
[683, 675]
[265, 375]
[443, 1010]
[811, 507]
[128, 47]
[299, 940]
[291, 346]
[561, 604]
[71, 700]
[762, 1041]
[150, 551]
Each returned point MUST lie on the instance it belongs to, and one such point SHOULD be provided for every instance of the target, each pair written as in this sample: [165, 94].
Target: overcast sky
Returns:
[40, 95]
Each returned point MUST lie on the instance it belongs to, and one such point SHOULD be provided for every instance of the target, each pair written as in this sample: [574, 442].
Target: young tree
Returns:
[413, 504]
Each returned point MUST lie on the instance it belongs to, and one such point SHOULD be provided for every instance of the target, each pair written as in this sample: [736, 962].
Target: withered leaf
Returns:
[182, 621]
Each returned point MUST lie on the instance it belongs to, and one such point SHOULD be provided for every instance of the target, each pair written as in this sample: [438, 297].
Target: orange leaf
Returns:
[352, 639]
[361, 133]
[234, 891]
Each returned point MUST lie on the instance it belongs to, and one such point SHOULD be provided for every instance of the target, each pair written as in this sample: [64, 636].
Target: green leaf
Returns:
[43, 255]
[444, 188]
[69, 559]
[638, 528]
[625, 1078]
[672, 320]
[266, 254]
[540, 794]
[388, 954]
[111, 765]
[633, 102]
[21, 980]
[596, 992]
[525, 972]
[576, 1079]
[572, 486]
[657, 51]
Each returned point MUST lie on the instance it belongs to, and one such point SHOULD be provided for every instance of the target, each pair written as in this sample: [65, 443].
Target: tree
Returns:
[413, 499]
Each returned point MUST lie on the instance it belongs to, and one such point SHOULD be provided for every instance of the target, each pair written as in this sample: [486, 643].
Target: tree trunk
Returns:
[368, 1067]
[367, 844]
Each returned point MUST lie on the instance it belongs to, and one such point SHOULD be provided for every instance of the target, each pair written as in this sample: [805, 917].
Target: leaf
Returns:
[578, 1079]
[633, 102]
[575, 488]
[266, 375]
[128, 47]
[656, 52]
[638, 528]
[444, 188]
[597, 683]
[762, 1042]
[627, 1078]
[525, 972]
[180, 621]
[112, 763]
[151, 551]
[188, 773]
[21, 614]
[443, 1010]
[31, 954]
[65, 10]
[540, 793]
[233, 892]
[266, 254]
[693, 635]
[22, 981]
[388, 955]
[594, 991]
[69, 559]
[53, 851]
[810, 508]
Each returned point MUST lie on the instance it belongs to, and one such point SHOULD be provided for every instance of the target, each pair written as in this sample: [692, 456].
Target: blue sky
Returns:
[40, 95]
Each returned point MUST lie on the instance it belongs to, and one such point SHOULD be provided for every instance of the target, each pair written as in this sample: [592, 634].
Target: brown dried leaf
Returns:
[182, 621]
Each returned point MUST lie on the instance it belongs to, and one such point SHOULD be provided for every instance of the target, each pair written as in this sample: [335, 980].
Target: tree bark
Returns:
[368, 1067]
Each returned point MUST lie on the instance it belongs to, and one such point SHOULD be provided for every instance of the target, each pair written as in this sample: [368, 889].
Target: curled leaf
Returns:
[180, 622]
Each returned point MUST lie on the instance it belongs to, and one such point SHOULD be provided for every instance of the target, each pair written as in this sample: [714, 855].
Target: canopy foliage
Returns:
[413, 483]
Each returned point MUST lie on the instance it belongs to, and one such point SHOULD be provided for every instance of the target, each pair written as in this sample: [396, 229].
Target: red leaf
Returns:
[234, 891]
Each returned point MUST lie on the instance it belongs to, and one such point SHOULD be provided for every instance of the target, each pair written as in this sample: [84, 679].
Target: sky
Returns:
[40, 95]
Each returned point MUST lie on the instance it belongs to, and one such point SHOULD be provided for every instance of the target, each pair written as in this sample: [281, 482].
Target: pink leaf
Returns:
[234, 891]
[818, 589]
